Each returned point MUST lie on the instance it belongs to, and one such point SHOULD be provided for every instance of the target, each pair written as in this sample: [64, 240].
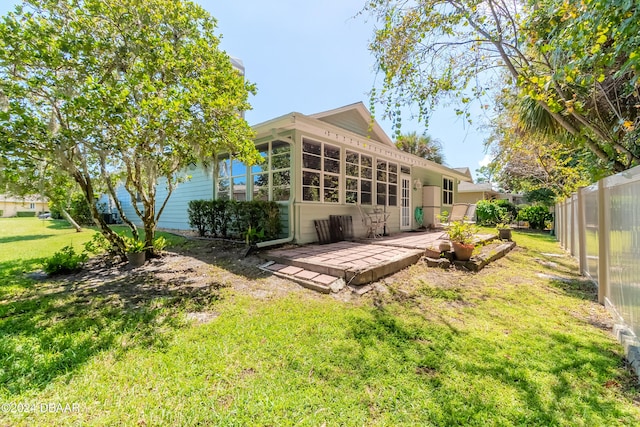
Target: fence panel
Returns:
[591, 230]
[610, 237]
[624, 246]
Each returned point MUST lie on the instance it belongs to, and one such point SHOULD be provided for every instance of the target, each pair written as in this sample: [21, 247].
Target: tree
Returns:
[577, 61]
[125, 92]
[487, 172]
[536, 158]
[422, 146]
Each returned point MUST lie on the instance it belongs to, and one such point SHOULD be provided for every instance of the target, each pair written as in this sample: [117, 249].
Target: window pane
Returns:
[330, 181]
[281, 178]
[332, 166]
[280, 147]
[281, 193]
[393, 195]
[240, 188]
[381, 195]
[223, 189]
[331, 152]
[393, 168]
[280, 161]
[352, 157]
[331, 195]
[365, 198]
[365, 161]
[311, 194]
[381, 176]
[311, 178]
[311, 147]
[238, 168]
[310, 162]
[351, 197]
[382, 165]
[352, 184]
[366, 173]
[405, 169]
[351, 170]
[365, 186]
[393, 178]
[261, 187]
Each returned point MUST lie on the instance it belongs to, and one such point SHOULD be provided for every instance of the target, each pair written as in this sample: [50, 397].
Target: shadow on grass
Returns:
[14, 239]
[51, 329]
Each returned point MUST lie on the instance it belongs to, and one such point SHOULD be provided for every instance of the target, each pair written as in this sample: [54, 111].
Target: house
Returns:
[22, 206]
[319, 165]
[469, 192]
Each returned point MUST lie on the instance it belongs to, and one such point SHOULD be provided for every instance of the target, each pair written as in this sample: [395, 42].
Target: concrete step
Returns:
[309, 279]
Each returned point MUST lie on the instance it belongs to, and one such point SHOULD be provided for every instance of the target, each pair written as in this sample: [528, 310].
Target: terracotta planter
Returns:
[463, 252]
[504, 234]
[136, 259]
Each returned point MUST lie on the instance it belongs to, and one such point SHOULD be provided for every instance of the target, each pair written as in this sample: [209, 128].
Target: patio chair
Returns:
[458, 212]
[470, 216]
[374, 222]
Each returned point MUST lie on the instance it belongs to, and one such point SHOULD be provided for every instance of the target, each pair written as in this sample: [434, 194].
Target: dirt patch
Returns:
[197, 270]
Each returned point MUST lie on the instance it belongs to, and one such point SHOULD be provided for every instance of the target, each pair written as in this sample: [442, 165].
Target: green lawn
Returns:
[506, 346]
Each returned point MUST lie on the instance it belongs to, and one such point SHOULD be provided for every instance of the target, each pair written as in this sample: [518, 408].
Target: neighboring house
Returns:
[319, 165]
[11, 205]
[468, 192]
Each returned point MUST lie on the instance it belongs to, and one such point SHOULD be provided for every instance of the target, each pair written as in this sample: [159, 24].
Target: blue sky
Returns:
[310, 57]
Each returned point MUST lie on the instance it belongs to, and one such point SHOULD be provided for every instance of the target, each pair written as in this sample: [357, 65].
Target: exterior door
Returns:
[405, 200]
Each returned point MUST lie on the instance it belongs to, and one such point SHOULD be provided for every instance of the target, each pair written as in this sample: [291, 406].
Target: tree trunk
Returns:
[75, 225]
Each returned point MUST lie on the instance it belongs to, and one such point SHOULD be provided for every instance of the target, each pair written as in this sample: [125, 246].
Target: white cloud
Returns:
[485, 160]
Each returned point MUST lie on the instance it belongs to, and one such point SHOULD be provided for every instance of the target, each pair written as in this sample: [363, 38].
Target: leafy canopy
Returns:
[121, 92]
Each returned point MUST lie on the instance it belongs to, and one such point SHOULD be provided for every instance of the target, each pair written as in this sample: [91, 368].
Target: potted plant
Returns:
[135, 251]
[461, 235]
[504, 227]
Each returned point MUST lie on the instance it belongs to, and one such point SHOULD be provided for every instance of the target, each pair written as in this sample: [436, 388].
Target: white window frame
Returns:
[386, 175]
[359, 178]
[447, 192]
[323, 173]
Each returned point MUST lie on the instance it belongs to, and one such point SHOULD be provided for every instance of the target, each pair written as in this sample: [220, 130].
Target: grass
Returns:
[520, 343]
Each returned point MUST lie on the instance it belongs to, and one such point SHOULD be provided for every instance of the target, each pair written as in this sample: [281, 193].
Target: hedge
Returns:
[25, 214]
[253, 221]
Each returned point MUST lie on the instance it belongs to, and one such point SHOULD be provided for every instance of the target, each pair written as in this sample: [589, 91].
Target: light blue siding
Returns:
[174, 216]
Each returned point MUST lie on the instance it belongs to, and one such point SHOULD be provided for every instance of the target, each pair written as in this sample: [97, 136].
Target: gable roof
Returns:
[357, 119]
[465, 171]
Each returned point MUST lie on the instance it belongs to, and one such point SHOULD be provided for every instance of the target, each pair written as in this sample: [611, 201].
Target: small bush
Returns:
[511, 209]
[25, 214]
[98, 244]
[488, 212]
[536, 215]
[198, 216]
[64, 261]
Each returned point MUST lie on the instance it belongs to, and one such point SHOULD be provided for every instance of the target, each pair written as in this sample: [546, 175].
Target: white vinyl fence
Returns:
[600, 226]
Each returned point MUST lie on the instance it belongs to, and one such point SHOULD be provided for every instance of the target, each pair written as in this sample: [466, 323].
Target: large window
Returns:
[386, 183]
[447, 191]
[358, 171]
[232, 179]
[269, 180]
[320, 172]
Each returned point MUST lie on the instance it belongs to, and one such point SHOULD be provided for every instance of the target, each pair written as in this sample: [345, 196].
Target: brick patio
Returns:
[357, 263]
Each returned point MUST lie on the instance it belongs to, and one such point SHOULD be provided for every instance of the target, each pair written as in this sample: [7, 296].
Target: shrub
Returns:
[25, 214]
[510, 208]
[98, 244]
[535, 215]
[64, 261]
[198, 216]
[488, 212]
[252, 221]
